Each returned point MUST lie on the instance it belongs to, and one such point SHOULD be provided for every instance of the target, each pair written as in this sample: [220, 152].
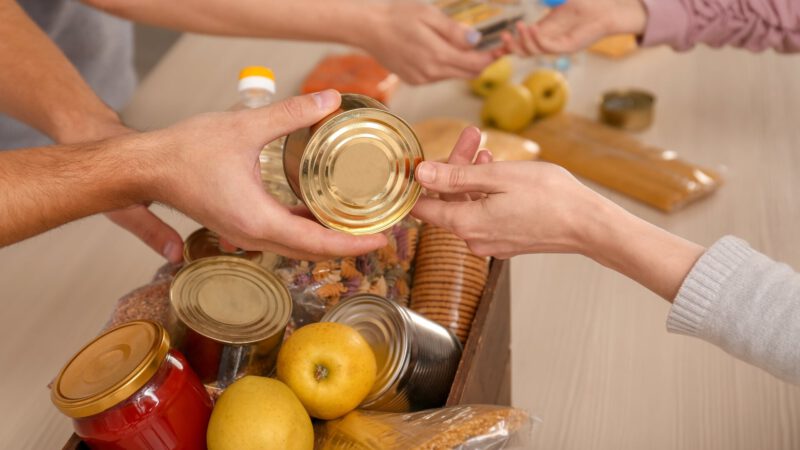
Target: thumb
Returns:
[293, 113]
[452, 179]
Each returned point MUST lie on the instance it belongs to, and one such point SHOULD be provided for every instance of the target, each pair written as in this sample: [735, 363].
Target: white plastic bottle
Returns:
[257, 89]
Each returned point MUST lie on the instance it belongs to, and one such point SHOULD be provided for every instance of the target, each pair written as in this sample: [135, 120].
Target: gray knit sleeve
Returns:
[745, 303]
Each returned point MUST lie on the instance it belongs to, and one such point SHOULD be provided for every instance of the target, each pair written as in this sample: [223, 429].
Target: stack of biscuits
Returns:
[448, 280]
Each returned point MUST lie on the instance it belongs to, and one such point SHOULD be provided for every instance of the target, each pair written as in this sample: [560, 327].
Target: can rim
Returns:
[189, 313]
[399, 353]
[78, 407]
[408, 195]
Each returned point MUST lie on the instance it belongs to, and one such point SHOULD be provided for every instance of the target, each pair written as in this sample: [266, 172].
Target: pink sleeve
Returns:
[751, 24]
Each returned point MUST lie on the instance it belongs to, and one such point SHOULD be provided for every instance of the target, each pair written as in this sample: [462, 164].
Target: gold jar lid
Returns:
[110, 369]
[230, 300]
[385, 326]
[204, 243]
[356, 173]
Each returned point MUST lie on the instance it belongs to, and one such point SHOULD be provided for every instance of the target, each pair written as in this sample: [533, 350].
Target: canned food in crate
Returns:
[417, 359]
[354, 170]
[204, 243]
[230, 315]
[127, 384]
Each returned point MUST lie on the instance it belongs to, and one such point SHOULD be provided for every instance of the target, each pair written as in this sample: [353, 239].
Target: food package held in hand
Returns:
[466, 427]
[352, 73]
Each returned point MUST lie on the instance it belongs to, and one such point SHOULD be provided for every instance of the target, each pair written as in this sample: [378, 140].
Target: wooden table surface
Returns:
[591, 356]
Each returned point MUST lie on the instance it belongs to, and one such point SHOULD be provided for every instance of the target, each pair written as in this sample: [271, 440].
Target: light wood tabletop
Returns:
[591, 356]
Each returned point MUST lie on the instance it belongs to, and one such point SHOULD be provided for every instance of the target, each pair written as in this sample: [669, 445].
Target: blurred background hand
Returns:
[419, 43]
[574, 26]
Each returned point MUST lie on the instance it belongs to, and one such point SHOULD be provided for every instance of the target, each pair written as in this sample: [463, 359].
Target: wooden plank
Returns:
[484, 375]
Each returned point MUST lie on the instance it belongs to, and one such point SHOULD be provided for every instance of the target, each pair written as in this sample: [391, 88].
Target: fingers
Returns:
[303, 235]
[484, 157]
[447, 215]
[526, 40]
[462, 155]
[291, 114]
[151, 230]
[467, 145]
[450, 179]
[457, 34]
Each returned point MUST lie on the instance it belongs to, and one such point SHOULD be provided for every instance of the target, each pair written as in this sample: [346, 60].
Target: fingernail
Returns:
[426, 172]
[169, 250]
[326, 99]
[473, 36]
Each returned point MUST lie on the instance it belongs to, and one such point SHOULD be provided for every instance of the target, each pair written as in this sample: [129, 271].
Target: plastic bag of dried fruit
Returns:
[316, 287]
[466, 427]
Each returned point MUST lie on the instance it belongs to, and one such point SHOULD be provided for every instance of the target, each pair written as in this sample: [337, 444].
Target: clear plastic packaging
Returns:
[448, 281]
[316, 287]
[619, 161]
[352, 73]
[467, 427]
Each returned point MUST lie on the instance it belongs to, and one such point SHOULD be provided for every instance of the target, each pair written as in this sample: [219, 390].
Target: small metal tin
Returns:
[354, 170]
[417, 359]
[204, 243]
[630, 110]
[230, 315]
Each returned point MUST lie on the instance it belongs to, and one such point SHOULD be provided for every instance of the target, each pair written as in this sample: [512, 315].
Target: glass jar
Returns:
[127, 389]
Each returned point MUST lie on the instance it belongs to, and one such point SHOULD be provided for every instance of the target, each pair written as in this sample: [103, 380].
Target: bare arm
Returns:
[203, 167]
[729, 295]
[535, 207]
[411, 38]
[40, 87]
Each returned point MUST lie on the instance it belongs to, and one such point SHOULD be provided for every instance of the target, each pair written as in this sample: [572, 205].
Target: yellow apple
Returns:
[509, 107]
[330, 367]
[257, 412]
[493, 76]
[549, 89]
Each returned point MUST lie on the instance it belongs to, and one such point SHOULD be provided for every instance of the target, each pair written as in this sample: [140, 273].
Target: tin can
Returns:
[630, 110]
[204, 243]
[417, 359]
[230, 315]
[354, 170]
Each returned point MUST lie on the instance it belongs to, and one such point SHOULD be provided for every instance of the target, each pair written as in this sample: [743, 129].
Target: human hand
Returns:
[574, 26]
[208, 168]
[137, 219]
[419, 43]
[508, 208]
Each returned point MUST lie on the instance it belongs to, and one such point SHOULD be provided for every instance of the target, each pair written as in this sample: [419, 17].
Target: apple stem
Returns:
[321, 372]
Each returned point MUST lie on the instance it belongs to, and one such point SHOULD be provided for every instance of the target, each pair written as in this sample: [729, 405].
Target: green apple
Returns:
[549, 89]
[330, 367]
[509, 107]
[257, 412]
[493, 76]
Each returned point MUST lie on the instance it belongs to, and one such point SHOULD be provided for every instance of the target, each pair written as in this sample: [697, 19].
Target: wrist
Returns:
[141, 163]
[360, 20]
[631, 18]
[75, 128]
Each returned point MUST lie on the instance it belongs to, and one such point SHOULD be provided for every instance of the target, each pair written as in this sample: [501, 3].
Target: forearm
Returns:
[319, 20]
[756, 25]
[653, 257]
[42, 188]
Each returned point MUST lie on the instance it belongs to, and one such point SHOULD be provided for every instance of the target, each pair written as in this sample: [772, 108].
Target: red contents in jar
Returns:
[171, 411]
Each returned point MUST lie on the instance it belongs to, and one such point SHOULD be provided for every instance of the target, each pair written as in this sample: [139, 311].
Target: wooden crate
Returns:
[484, 374]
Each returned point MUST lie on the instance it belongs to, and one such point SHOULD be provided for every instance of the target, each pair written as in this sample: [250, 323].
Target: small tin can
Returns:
[204, 243]
[417, 359]
[354, 170]
[230, 315]
[630, 110]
